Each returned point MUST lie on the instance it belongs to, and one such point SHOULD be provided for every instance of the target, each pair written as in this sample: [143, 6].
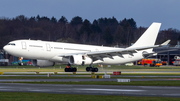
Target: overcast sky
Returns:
[144, 12]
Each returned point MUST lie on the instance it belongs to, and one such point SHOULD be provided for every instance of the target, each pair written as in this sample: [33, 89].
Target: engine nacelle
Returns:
[80, 60]
[42, 63]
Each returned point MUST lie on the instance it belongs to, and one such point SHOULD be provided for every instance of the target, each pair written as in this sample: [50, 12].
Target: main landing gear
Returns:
[73, 69]
[91, 69]
[70, 69]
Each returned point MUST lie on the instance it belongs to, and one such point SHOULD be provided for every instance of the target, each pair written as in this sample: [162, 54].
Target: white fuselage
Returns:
[45, 50]
[85, 54]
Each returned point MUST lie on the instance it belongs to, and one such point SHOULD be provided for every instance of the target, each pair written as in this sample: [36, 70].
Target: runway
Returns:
[80, 80]
[163, 91]
[32, 75]
[92, 89]
[102, 72]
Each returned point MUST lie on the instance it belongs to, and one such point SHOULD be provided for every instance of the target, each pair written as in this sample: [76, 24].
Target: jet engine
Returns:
[42, 63]
[80, 60]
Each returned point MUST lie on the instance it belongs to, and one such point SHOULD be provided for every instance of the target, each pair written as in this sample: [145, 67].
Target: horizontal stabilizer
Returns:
[165, 43]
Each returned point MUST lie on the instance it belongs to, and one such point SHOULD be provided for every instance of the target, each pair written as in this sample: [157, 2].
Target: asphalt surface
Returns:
[32, 75]
[79, 80]
[92, 89]
[103, 72]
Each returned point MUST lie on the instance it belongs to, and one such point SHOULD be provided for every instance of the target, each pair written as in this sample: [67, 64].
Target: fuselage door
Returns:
[48, 47]
[23, 45]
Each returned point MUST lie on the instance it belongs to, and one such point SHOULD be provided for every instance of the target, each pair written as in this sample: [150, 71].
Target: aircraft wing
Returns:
[110, 53]
[115, 52]
[99, 55]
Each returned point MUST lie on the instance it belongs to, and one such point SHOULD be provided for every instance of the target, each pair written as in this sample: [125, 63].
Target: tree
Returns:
[21, 18]
[53, 19]
[63, 20]
[76, 20]
[128, 30]
[43, 18]
[119, 36]
[171, 34]
[132, 23]
[106, 31]
[103, 23]
[37, 18]
[95, 27]
[108, 36]
[86, 27]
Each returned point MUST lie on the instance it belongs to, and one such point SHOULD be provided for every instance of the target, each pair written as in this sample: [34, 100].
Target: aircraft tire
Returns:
[87, 69]
[74, 69]
[70, 70]
[66, 69]
[91, 69]
[95, 69]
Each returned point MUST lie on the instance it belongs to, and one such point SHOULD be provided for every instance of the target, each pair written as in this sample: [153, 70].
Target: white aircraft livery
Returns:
[45, 53]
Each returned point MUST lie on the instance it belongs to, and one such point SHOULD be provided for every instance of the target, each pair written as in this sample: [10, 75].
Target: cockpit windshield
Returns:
[13, 44]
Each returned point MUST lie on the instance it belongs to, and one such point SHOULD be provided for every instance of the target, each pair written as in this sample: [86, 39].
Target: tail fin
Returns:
[149, 36]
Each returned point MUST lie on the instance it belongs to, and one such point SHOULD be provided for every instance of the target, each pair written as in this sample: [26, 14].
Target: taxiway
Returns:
[92, 89]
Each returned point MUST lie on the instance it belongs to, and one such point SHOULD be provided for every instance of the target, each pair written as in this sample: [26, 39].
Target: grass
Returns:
[83, 77]
[88, 76]
[24, 96]
[153, 74]
[132, 83]
[45, 77]
[19, 96]
[60, 68]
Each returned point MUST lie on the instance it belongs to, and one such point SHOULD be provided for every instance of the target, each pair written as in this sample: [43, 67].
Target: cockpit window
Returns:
[13, 44]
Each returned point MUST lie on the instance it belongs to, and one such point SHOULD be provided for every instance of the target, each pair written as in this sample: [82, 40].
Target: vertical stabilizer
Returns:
[149, 36]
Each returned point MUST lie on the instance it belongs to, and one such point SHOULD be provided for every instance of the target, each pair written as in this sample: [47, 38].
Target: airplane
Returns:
[46, 53]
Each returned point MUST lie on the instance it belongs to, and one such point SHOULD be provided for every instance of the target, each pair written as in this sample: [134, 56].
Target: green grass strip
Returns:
[19, 96]
[132, 83]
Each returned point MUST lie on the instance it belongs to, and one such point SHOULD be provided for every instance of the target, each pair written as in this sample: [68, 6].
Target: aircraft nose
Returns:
[8, 49]
[5, 48]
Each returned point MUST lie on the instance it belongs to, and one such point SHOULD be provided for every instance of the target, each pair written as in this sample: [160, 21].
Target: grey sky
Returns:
[144, 12]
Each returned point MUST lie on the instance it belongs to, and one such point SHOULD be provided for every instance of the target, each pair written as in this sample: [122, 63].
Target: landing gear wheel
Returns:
[90, 69]
[74, 69]
[66, 69]
[70, 70]
[95, 69]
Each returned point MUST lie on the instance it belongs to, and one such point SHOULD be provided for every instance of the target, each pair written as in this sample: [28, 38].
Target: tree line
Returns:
[102, 31]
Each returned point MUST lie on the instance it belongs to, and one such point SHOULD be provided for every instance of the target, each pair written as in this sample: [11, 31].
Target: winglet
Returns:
[165, 43]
